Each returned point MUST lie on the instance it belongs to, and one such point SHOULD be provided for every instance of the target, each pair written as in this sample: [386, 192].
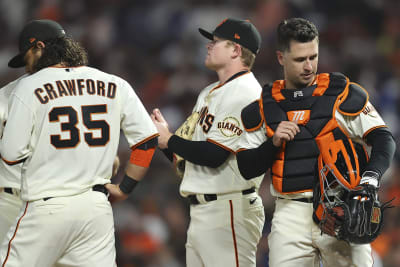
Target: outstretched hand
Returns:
[285, 131]
[162, 128]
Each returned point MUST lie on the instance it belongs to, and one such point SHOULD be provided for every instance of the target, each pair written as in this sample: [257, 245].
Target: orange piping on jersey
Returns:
[12, 162]
[234, 234]
[322, 81]
[366, 103]
[222, 146]
[144, 141]
[240, 150]
[15, 233]
[373, 128]
[142, 157]
[222, 84]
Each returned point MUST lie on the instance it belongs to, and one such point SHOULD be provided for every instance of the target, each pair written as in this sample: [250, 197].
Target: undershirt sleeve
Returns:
[198, 152]
[382, 151]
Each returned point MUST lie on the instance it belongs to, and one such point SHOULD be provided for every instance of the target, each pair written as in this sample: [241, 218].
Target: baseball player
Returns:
[226, 213]
[288, 126]
[10, 202]
[63, 126]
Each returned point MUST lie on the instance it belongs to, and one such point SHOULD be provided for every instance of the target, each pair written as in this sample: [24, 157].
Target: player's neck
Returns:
[225, 73]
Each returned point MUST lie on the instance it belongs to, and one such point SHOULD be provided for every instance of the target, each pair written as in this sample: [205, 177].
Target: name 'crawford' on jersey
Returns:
[75, 87]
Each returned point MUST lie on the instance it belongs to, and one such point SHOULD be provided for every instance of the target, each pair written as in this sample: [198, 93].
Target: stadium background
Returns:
[155, 45]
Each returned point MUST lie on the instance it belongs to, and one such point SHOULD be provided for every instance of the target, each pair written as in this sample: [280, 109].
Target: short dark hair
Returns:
[297, 29]
[62, 50]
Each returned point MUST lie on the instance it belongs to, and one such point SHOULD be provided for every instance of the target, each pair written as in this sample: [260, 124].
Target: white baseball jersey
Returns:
[64, 123]
[220, 107]
[356, 126]
[10, 175]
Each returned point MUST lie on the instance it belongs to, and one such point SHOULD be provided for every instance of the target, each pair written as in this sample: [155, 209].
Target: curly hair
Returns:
[297, 29]
[62, 50]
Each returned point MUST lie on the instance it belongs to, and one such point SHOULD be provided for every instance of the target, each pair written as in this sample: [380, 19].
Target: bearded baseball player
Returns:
[226, 213]
[310, 128]
[64, 127]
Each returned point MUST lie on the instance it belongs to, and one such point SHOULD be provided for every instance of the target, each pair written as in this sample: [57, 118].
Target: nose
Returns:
[308, 65]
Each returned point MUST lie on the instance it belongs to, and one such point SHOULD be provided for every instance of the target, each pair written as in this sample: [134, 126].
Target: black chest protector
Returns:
[296, 167]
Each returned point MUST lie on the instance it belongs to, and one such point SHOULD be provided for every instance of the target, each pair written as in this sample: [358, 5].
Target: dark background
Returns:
[156, 47]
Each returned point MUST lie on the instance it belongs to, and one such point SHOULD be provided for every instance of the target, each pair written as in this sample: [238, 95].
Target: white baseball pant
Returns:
[225, 232]
[296, 241]
[73, 231]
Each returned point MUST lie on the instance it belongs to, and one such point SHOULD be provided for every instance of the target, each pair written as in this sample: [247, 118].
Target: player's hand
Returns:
[285, 131]
[116, 194]
[162, 128]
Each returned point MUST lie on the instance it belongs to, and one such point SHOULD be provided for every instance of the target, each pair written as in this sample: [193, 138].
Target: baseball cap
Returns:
[242, 32]
[36, 30]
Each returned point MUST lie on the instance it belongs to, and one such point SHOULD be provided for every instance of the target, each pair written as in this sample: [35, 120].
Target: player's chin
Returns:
[211, 65]
[306, 80]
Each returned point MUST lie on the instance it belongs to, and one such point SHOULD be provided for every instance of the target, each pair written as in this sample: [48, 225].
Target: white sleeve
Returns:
[18, 131]
[135, 122]
[359, 126]
[252, 139]
[227, 126]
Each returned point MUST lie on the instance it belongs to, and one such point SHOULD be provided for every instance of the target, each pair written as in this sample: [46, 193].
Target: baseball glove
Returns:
[186, 131]
[358, 219]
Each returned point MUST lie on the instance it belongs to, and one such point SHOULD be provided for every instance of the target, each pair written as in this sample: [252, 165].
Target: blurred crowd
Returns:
[156, 47]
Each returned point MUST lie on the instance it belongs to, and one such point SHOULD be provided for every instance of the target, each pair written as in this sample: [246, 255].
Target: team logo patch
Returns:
[299, 116]
[297, 94]
[230, 127]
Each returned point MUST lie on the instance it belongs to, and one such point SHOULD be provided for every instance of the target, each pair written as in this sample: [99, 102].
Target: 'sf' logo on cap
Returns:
[31, 40]
[237, 36]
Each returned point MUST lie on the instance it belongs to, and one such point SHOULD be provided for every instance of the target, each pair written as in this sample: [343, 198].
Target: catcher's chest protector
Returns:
[313, 109]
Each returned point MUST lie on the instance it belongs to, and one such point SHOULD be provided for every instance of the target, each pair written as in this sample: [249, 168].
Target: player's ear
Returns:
[279, 56]
[40, 44]
[237, 50]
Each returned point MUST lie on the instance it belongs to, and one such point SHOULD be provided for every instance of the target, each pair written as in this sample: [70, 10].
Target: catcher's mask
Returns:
[343, 208]
[340, 165]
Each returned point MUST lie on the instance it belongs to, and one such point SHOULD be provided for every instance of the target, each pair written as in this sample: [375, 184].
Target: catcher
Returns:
[307, 127]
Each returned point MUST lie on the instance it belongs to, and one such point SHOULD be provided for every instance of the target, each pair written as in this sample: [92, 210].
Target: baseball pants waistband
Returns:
[193, 199]
[97, 187]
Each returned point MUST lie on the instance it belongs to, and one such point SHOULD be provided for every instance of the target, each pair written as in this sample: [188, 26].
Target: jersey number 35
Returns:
[71, 126]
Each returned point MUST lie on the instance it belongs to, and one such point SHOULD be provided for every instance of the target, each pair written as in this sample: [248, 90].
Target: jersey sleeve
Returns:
[359, 126]
[135, 122]
[252, 139]
[227, 126]
[17, 132]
